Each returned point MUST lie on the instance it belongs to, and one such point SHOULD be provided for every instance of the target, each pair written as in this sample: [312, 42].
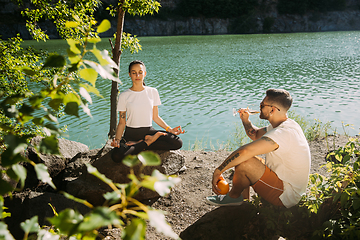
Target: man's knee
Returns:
[248, 164]
[253, 168]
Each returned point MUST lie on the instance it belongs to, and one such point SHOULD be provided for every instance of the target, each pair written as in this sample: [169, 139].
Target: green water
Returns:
[201, 78]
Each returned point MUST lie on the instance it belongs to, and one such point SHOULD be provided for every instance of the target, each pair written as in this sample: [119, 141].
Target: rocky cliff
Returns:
[268, 20]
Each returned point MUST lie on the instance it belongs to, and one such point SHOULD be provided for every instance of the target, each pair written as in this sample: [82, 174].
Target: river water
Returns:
[202, 78]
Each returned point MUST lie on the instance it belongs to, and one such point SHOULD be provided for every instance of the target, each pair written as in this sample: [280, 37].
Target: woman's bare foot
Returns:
[150, 139]
[130, 143]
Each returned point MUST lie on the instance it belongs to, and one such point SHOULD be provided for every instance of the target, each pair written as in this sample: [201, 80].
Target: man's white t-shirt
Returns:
[291, 161]
[139, 106]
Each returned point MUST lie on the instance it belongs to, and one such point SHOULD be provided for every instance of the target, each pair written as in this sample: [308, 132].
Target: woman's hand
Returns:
[177, 130]
[115, 142]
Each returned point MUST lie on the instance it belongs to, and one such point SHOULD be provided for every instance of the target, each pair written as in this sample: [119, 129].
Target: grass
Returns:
[312, 130]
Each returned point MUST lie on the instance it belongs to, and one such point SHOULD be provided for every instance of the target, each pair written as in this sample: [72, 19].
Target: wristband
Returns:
[167, 128]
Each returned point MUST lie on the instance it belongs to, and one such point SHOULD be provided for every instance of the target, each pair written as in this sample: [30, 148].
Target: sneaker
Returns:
[224, 200]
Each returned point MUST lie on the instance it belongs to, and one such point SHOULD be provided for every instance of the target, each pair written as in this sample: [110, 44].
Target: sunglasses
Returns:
[264, 105]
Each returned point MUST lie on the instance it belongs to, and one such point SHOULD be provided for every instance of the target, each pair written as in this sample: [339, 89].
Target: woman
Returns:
[140, 104]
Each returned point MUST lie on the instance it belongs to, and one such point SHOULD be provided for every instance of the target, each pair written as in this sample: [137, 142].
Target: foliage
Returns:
[301, 7]
[338, 196]
[60, 12]
[83, 13]
[328, 210]
[73, 80]
[139, 7]
[212, 8]
[132, 43]
[14, 61]
[25, 107]
[316, 130]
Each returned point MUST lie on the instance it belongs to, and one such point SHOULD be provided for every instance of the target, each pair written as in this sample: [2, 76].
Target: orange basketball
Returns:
[223, 186]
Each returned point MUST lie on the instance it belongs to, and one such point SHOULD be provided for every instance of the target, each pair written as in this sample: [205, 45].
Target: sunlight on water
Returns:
[201, 78]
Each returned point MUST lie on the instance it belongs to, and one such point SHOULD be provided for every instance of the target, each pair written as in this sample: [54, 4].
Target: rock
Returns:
[55, 164]
[85, 186]
[27, 204]
[222, 223]
[69, 173]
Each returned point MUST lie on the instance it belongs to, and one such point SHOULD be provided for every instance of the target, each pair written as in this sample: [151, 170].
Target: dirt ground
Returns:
[186, 202]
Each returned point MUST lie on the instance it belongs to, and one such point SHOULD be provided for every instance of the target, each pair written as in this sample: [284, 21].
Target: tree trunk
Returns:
[116, 57]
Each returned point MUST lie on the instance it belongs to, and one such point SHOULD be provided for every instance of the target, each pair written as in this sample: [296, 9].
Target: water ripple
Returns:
[201, 78]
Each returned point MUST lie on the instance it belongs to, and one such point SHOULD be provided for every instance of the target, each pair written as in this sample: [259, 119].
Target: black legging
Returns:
[167, 142]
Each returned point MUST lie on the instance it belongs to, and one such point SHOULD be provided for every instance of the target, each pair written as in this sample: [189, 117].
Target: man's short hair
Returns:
[280, 96]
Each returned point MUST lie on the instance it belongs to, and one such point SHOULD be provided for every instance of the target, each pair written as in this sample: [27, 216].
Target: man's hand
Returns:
[215, 179]
[244, 114]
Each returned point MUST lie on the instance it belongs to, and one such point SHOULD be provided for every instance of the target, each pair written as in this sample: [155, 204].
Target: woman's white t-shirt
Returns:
[291, 161]
[139, 106]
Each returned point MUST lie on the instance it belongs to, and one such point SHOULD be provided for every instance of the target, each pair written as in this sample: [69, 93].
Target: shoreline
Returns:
[186, 204]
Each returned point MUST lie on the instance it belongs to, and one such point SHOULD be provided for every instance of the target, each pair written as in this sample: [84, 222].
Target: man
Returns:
[283, 177]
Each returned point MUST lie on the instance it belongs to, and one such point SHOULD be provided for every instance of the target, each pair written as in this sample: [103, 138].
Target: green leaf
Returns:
[10, 111]
[5, 187]
[15, 144]
[93, 40]
[28, 71]
[356, 166]
[69, 196]
[346, 159]
[356, 203]
[149, 158]
[344, 198]
[26, 110]
[8, 159]
[92, 170]
[74, 59]
[85, 94]
[56, 61]
[102, 57]
[99, 217]
[106, 72]
[89, 75]
[55, 103]
[71, 24]
[71, 97]
[30, 225]
[43, 175]
[36, 100]
[49, 145]
[112, 197]
[72, 108]
[44, 234]
[104, 26]
[130, 161]
[17, 172]
[135, 230]
[4, 232]
[74, 46]
[164, 183]
[67, 221]
[3, 214]
[157, 220]
[91, 89]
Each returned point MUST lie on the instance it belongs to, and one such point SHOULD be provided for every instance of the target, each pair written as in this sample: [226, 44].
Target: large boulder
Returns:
[69, 173]
[26, 204]
[84, 185]
[54, 163]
